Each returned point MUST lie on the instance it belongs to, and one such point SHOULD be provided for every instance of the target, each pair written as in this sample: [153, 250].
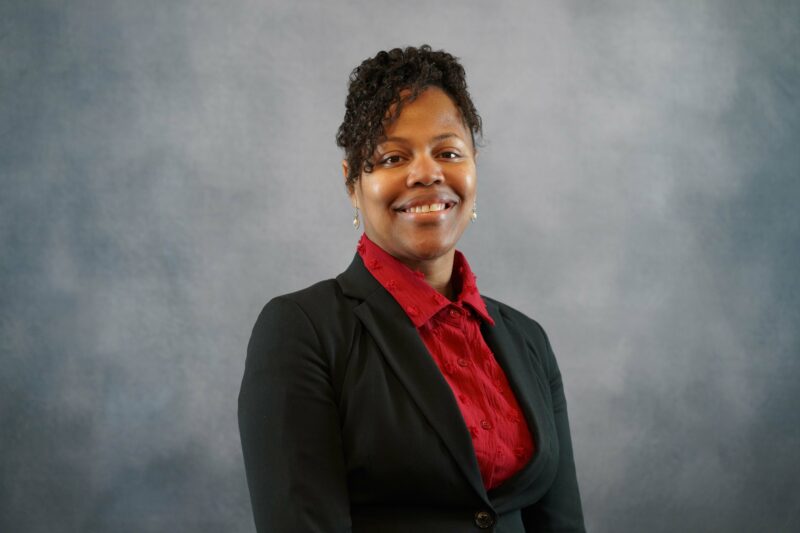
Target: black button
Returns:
[484, 519]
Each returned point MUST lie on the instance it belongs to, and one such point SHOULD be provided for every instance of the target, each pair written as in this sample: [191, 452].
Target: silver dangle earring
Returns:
[356, 221]
[474, 216]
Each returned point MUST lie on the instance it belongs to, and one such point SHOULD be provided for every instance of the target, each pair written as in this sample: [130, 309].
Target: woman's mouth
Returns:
[428, 208]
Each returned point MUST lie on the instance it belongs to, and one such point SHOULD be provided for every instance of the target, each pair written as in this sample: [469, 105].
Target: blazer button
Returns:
[484, 519]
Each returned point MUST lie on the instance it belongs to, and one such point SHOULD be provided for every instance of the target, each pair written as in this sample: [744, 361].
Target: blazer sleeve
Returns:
[559, 510]
[289, 427]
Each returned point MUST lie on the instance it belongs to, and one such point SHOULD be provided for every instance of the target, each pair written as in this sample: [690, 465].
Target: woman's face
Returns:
[418, 198]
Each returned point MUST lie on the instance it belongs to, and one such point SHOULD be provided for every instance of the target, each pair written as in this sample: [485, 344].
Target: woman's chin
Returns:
[428, 251]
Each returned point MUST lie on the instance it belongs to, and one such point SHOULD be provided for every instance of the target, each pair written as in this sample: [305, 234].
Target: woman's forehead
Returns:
[432, 111]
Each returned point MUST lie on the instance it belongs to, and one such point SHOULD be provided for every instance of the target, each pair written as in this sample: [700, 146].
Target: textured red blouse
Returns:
[451, 332]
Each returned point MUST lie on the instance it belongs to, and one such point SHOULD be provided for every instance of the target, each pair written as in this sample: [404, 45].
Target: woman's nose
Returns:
[424, 170]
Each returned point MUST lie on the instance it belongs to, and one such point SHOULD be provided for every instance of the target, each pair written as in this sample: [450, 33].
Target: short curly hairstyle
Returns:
[375, 87]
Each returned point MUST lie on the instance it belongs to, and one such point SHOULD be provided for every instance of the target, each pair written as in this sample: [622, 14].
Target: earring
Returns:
[356, 221]
[474, 216]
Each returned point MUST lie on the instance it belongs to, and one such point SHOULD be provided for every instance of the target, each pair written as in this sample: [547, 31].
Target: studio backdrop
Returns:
[168, 167]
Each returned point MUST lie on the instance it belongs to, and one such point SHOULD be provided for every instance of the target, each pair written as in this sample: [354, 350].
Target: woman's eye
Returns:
[450, 154]
[390, 160]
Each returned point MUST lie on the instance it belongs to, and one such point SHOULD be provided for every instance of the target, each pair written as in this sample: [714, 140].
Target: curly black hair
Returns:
[375, 87]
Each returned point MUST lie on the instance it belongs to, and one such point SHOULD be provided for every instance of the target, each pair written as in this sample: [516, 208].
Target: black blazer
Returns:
[347, 424]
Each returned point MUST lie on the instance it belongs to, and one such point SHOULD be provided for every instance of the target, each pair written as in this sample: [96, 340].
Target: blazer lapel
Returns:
[531, 388]
[406, 354]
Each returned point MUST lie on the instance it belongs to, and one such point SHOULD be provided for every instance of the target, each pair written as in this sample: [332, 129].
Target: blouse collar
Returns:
[418, 299]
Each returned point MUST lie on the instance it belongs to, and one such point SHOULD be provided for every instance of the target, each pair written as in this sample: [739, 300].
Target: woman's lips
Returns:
[426, 208]
[425, 203]
[433, 210]
[429, 203]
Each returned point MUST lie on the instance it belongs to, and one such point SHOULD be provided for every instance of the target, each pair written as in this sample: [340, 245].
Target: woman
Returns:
[395, 398]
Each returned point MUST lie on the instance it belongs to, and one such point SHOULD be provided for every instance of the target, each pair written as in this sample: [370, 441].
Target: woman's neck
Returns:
[438, 273]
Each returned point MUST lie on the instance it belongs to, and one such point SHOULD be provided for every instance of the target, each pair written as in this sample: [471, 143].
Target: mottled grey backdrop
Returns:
[167, 167]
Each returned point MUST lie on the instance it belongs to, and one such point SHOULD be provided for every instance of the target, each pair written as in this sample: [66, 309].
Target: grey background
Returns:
[167, 167]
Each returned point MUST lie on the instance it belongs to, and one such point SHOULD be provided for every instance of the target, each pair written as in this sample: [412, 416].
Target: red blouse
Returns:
[451, 332]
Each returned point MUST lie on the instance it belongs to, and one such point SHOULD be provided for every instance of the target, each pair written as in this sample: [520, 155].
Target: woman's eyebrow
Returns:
[438, 138]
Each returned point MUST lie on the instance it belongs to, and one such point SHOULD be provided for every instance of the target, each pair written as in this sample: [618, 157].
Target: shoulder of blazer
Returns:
[327, 309]
[323, 312]
[329, 303]
[532, 331]
[319, 316]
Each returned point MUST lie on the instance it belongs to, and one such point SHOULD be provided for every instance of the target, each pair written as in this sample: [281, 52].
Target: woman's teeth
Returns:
[425, 208]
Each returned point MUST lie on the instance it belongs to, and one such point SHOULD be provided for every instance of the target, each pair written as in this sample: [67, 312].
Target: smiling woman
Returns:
[396, 397]
[418, 198]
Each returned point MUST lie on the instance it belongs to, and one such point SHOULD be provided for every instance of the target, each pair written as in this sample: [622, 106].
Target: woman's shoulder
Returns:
[516, 318]
[321, 307]
[528, 328]
[320, 293]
